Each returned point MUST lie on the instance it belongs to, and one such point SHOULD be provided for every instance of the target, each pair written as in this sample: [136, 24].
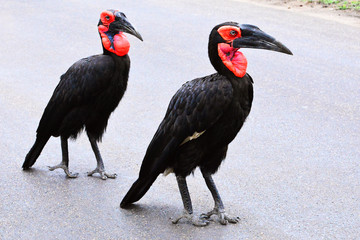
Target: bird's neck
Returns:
[116, 43]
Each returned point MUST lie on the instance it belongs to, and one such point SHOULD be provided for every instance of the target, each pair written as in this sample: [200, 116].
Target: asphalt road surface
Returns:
[293, 172]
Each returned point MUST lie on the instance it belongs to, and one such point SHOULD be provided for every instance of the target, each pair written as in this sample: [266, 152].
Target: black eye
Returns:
[107, 17]
[233, 32]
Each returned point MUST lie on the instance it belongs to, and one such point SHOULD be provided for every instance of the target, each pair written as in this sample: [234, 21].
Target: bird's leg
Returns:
[188, 211]
[219, 209]
[65, 159]
[100, 164]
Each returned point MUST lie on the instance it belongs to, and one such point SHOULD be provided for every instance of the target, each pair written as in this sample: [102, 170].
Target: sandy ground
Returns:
[349, 17]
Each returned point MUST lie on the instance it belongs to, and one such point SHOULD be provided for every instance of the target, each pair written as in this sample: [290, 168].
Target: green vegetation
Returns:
[342, 5]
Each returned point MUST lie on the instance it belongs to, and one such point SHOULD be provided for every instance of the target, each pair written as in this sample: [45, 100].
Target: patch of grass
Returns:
[341, 5]
[328, 2]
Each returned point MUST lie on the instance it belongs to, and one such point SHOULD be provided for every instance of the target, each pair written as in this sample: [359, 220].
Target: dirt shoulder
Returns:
[350, 17]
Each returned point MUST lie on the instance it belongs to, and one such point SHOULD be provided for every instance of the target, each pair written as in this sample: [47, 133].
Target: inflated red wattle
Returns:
[234, 60]
[121, 45]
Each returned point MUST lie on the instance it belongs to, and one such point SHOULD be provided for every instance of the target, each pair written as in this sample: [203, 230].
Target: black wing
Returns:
[195, 107]
[79, 86]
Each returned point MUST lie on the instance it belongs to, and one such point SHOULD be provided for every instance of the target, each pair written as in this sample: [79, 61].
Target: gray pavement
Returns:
[293, 172]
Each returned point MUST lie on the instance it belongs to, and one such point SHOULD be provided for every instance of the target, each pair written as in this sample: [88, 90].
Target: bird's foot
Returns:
[193, 219]
[102, 173]
[66, 170]
[223, 217]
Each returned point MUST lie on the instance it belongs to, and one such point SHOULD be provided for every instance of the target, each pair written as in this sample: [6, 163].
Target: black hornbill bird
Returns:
[203, 117]
[87, 94]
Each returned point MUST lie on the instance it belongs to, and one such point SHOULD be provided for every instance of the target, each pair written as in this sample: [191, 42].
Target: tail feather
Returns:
[155, 162]
[34, 152]
[137, 190]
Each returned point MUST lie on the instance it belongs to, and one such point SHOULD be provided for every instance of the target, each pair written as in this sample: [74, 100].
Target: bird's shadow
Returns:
[35, 171]
[155, 212]
[145, 208]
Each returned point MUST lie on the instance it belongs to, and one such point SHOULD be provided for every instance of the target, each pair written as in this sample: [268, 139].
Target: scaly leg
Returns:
[65, 159]
[100, 164]
[219, 209]
[188, 211]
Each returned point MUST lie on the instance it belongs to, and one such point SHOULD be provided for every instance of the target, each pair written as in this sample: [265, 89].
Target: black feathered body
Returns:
[209, 150]
[216, 106]
[86, 95]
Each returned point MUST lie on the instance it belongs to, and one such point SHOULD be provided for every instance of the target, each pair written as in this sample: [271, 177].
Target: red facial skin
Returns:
[107, 17]
[121, 45]
[234, 60]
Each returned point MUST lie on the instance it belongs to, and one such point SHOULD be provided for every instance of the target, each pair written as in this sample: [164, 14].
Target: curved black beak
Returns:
[253, 37]
[122, 24]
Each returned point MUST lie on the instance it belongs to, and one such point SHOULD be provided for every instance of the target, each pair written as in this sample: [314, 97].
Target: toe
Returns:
[222, 219]
[176, 220]
[232, 219]
[103, 176]
[208, 215]
[71, 175]
[200, 222]
[111, 175]
[204, 216]
[196, 221]
[52, 168]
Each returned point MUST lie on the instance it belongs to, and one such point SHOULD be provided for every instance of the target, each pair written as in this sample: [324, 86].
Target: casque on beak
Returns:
[253, 37]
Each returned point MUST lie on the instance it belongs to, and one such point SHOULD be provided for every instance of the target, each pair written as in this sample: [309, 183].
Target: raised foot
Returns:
[66, 170]
[102, 173]
[223, 217]
[193, 219]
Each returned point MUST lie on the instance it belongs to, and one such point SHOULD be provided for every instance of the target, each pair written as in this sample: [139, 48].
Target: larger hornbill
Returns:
[87, 94]
[203, 117]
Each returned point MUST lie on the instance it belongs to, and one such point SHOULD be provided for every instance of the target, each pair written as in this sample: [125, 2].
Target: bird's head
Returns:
[227, 38]
[112, 26]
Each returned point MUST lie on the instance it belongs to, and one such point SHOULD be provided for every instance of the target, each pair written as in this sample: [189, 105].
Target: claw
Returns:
[66, 170]
[223, 217]
[103, 174]
[196, 221]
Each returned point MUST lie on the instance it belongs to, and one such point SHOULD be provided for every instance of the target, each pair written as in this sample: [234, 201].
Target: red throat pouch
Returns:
[235, 61]
[121, 44]
[117, 44]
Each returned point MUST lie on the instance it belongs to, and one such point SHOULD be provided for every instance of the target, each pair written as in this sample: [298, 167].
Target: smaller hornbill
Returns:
[203, 117]
[87, 94]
